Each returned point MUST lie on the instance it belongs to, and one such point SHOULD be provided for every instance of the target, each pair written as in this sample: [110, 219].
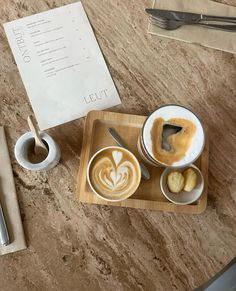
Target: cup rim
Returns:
[144, 151]
[88, 169]
[190, 201]
[152, 158]
[143, 154]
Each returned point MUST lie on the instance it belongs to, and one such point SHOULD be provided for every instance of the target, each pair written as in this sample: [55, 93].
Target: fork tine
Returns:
[157, 22]
[165, 23]
[166, 26]
[159, 19]
[161, 25]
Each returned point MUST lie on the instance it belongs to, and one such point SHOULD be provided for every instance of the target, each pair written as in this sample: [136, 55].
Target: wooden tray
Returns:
[148, 195]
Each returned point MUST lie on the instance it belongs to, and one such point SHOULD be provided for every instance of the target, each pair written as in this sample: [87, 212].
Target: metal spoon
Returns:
[144, 171]
[39, 147]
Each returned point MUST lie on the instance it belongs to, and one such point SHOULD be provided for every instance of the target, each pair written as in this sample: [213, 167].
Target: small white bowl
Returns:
[182, 198]
[22, 148]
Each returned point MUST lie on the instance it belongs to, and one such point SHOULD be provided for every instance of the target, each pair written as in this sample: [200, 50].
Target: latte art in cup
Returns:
[114, 173]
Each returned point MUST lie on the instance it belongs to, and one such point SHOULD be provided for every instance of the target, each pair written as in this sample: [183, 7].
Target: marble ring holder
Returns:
[24, 146]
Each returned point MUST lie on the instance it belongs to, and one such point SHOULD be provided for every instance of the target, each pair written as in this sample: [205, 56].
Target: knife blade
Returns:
[4, 236]
[186, 16]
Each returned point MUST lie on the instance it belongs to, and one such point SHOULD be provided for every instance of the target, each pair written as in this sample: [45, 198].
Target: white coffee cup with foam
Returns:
[113, 173]
[192, 134]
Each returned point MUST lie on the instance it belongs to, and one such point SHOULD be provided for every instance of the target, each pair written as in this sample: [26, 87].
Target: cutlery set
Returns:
[171, 20]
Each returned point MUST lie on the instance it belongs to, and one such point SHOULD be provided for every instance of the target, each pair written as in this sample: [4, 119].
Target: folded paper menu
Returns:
[61, 65]
[217, 39]
[9, 201]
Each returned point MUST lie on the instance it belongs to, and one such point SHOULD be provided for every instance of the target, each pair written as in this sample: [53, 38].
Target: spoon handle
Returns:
[116, 137]
[144, 171]
[32, 126]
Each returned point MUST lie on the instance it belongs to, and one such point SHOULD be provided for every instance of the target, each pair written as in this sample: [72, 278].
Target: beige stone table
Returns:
[73, 246]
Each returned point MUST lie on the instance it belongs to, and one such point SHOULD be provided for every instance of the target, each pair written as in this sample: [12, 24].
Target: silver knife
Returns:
[4, 236]
[187, 17]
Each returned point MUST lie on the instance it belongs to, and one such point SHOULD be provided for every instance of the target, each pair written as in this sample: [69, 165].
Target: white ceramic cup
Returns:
[183, 197]
[116, 148]
[24, 145]
[143, 154]
[167, 112]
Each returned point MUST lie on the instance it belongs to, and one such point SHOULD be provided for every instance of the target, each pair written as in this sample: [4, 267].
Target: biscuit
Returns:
[190, 179]
[175, 182]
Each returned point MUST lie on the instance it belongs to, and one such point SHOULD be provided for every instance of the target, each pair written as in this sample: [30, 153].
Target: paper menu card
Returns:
[61, 65]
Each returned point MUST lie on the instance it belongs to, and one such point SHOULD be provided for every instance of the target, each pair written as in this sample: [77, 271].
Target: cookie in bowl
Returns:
[175, 182]
[187, 180]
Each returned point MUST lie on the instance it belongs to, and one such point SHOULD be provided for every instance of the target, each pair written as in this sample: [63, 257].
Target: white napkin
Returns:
[9, 201]
[217, 39]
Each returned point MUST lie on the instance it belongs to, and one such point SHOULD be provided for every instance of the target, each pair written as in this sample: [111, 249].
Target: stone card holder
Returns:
[148, 195]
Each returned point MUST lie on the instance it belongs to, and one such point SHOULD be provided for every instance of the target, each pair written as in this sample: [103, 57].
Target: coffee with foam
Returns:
[185, 146]
[179, 142]
[114, 173]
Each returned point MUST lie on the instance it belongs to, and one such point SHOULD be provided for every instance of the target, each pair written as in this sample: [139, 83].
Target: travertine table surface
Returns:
[74, 246]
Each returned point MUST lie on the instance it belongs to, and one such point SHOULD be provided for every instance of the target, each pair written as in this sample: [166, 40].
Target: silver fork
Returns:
[171, 24]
